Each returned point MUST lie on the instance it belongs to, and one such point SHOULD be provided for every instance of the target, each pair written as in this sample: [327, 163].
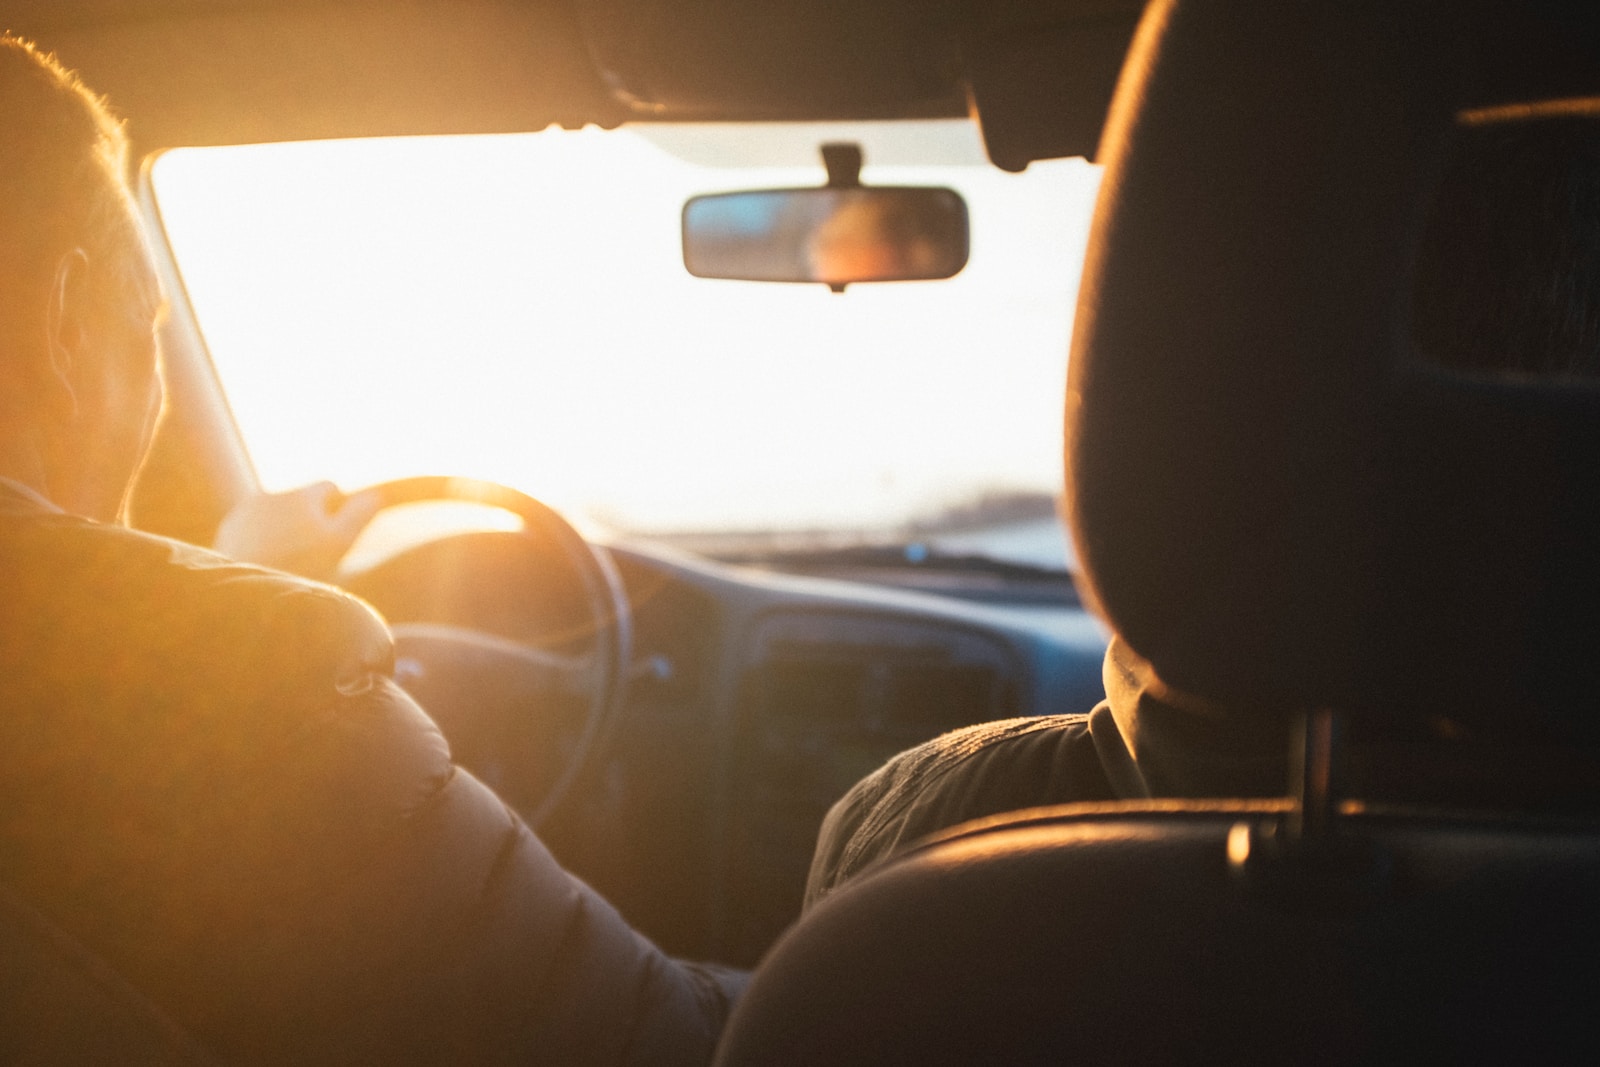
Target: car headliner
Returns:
[240, 71]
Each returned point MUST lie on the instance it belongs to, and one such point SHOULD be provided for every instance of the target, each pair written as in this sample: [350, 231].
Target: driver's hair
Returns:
[63, 185]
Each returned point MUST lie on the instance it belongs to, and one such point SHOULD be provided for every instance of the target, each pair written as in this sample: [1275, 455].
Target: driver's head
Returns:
[79, 298]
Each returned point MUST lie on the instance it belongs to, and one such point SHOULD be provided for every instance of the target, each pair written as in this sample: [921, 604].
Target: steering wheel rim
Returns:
[610, 620]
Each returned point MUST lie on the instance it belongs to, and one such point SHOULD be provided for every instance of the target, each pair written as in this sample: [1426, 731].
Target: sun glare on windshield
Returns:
[516, 308]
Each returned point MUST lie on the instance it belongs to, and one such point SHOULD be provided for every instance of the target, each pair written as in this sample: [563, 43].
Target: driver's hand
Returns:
[305, 531]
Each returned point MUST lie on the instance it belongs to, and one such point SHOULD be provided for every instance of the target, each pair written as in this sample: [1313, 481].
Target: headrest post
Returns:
[1306, 855]
[1316, 748]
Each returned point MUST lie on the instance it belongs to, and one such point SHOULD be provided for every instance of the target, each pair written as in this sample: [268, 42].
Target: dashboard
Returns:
[756, 700]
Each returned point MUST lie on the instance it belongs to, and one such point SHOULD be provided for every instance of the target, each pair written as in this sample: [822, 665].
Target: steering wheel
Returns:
[466, 676]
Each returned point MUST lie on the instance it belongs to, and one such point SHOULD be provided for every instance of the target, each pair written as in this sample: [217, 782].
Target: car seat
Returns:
[1281, 503]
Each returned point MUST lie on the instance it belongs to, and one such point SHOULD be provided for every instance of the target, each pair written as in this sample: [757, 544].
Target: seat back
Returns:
[1117, 934]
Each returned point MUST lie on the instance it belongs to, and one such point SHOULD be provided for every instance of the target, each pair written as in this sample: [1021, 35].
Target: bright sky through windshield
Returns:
[515, 308]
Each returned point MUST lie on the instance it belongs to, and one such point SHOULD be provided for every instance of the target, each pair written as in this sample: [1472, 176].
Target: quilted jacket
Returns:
[209, 778]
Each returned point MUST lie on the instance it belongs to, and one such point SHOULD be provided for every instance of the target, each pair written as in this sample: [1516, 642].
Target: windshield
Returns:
[516, 308]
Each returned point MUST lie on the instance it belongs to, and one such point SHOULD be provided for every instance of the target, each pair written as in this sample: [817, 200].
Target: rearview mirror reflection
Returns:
[829, 235]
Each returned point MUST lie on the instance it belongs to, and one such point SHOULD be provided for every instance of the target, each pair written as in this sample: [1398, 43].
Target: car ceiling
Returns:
[238, 71]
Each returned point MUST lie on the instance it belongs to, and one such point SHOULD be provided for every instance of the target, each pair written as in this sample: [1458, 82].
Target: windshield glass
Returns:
[516, 308]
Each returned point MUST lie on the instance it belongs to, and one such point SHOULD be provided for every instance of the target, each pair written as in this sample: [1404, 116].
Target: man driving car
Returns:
[210, 778]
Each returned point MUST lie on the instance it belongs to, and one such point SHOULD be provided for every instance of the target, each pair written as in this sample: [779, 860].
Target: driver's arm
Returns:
[229, 798]
[304, 531]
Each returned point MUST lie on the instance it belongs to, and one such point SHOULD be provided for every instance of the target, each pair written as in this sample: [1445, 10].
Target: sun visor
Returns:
[196, 74]
[752, 59]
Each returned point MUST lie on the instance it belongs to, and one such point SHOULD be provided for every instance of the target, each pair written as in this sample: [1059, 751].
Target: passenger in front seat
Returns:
[207, 773]
[1507, 282]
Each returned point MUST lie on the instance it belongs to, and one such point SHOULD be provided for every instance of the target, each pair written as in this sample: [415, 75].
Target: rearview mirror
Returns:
[830, 235]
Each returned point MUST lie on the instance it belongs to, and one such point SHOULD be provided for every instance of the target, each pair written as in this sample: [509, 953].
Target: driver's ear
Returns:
[67, 327]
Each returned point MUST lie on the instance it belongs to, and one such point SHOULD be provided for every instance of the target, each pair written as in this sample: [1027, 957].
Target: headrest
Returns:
[1292, 483]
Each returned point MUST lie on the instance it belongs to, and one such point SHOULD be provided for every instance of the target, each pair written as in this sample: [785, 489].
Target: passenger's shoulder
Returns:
[970, 773]
[986, 741]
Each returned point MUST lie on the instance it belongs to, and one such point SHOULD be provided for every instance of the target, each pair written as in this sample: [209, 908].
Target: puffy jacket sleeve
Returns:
[211, 778]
